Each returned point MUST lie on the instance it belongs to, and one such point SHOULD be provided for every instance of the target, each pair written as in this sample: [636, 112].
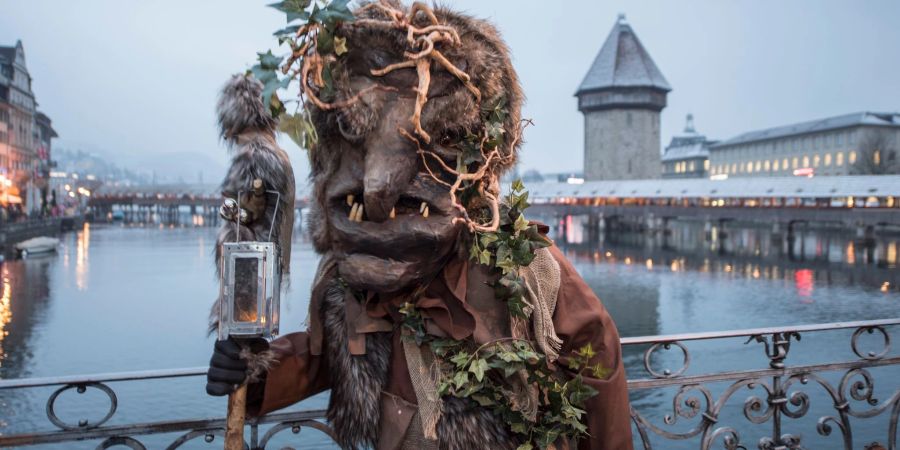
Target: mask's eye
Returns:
[345, 126]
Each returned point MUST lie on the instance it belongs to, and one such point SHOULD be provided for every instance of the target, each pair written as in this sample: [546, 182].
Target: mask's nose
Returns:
[391, 164]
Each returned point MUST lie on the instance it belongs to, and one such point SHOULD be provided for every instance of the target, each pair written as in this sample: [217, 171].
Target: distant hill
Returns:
[173, 167]
[181, 167]
[88, 163]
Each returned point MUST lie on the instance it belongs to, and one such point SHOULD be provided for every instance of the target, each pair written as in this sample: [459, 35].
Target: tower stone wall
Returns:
[621, 144]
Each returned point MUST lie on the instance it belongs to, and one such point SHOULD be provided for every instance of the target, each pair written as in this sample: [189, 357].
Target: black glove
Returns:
[227, 370]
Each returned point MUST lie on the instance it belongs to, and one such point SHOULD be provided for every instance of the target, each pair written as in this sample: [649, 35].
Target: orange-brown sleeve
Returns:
[581, 319]
[296, 375]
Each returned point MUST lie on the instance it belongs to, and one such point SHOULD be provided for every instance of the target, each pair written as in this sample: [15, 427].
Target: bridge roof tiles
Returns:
[836, 186]
[177, 189]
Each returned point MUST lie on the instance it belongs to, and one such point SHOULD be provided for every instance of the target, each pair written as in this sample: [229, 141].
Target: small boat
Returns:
[37, 245]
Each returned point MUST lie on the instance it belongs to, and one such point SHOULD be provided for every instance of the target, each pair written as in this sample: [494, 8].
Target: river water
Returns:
[124, 298]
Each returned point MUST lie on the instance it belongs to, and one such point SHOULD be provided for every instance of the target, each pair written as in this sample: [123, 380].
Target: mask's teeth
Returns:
[359, 213]
[349, 199]
[393, 213]
[352, 215]
[425, 213]
[422, 207]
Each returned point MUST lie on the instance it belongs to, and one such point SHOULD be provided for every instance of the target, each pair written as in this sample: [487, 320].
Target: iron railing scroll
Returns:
[130, 435]
[778, 393]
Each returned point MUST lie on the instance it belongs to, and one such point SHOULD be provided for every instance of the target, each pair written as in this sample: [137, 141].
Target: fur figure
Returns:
[381, 207]
[259, 168]
[384, 216]
[410, 115]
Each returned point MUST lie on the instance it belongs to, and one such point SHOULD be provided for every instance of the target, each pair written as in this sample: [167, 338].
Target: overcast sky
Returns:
[139, 78]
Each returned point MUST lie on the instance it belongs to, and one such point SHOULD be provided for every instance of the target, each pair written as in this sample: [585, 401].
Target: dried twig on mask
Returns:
[424, 41]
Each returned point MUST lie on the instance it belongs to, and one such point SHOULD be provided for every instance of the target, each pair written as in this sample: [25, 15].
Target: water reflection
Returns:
[806, 256]
[5, 312]
[22, 305]
[82, 248]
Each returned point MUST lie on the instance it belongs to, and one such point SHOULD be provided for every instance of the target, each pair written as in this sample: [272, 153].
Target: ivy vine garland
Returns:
[482, 373]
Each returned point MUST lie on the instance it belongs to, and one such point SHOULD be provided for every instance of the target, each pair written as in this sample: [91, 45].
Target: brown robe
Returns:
[455, 307]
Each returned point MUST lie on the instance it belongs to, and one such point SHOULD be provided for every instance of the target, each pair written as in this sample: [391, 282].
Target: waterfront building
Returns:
[621, 98]
[25, 134]
[687, 156]
[851, 144]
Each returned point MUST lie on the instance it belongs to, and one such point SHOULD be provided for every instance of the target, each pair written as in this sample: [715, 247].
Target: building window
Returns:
[733, 168]
[839, 158]
[784, 164]
[767, 165]
[706, 165]
[758, 166]
[805, 161]
[839, 139]
[775, 166]
[852, 157]
[816, 160]
[827, 159]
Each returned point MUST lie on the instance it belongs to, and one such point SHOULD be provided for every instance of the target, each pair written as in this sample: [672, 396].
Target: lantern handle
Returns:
[237, 222]
[275, 214]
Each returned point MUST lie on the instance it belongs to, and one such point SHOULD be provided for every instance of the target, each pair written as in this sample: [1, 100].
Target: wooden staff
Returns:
[234, 423]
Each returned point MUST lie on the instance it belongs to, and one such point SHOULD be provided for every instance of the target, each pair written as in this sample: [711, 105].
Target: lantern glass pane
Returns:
[246, 289]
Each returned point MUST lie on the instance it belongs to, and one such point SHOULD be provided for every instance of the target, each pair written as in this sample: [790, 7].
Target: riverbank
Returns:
[13, 233]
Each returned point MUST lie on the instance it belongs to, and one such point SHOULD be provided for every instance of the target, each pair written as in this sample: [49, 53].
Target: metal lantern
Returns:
[250, 290]
[250, 285]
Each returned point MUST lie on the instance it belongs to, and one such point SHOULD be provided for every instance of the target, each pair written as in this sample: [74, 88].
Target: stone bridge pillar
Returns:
[594, 226]
[865, 234]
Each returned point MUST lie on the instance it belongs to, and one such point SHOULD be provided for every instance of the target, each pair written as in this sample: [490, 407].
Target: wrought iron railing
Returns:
[695, 397]
[780, 386]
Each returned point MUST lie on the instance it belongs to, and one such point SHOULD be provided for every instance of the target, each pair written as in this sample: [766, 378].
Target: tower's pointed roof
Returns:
[623, 62]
